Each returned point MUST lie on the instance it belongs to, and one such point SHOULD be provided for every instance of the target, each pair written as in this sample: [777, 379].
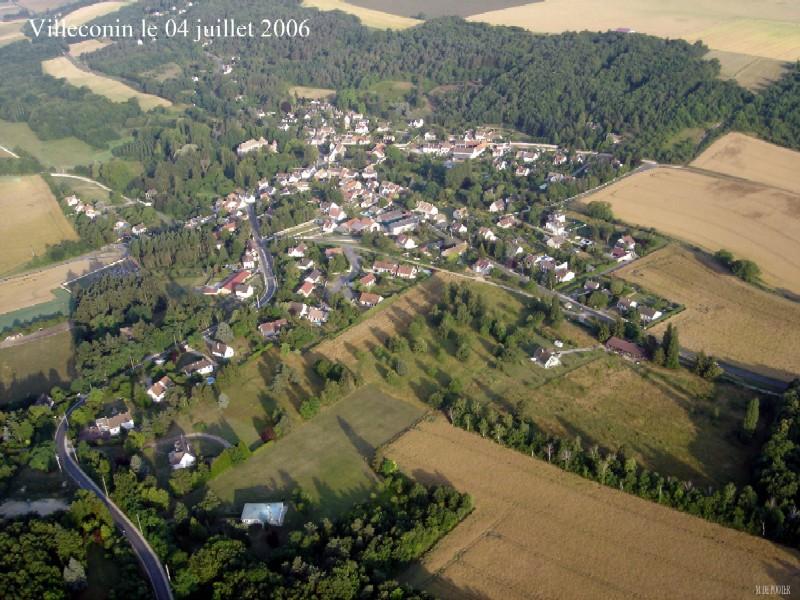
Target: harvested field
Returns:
[88, 46]
[36, 367]
[770, 39]
[11, 31]
[37, 287]
[724, 316]
[440, 8]
[311, 93]
[752, 220]
[91, 12]
[746, 157]
[368, 17]
[752, 72]
[540, 532]
[38, 6]
[32, 221]
[114, 90]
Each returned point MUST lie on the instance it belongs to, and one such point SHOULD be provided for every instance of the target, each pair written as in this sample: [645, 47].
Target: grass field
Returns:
[31, 289]
[58, 305]
[86, 191]
[724, 316]
[770, 39]
[752, 220]
[91, 12]
[327, 457]
[752, 72]
[38, 6]
[32, 221]
[312, 93]
[36, 367]
[11, 31]
[87, 46]
[112, 89]
[63, 153]
[368, 17]
[164, 72]
[538, 532]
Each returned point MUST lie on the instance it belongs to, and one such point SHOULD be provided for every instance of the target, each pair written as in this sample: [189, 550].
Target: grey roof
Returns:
[271, 513]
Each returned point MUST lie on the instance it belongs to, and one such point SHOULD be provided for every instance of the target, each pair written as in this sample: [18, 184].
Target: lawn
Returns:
[35, 367]
[328, 457]
[33, 220]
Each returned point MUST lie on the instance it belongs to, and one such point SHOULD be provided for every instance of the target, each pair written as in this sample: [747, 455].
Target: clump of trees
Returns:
[746, 270]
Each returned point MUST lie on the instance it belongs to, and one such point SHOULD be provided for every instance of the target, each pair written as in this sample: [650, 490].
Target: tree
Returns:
[555, 314]
[600, 210]
[463, 352]
[75, 575]
[224, 333]
[603, 333]
[671, 347]
[750, 420]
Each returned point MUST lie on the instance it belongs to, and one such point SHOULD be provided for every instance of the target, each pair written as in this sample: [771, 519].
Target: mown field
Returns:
[666, 419]
[112, 89]
[88, 13]
[37, 287]
[328, 457]
[36, 367]
[749, 158]
[771, 39]
[312, 93]
[371, 18]
[32, 220]
[440, 8]
[87, 46]
[540, 532]
[62, 154]
[11, 31]
[37, 6]
[724, 316]
[752, 72]
[753, 220]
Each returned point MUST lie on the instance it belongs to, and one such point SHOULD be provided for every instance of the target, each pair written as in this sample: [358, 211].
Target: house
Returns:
[405, 242]
[305, 264]
[384, 267]
[482, 267]
[333, 251]
[368, 280]
[456, 250]
[426, 208]
[273, 328]
[559, 159]
[626, 242]
[406, 272]
[460, 214]
[243, 291]
[487, 234]
[159, 389]
[624, 348]
[591, 286]
[621, 255]
[114, 425]
[200, 367]
[507, 222]
[260, 513]
[298, 251]
[556, 223]
[181, 456]
[248, 261]
[564, 275]
[369, 300]
[317, 315]
[220, 350]
[314, 277]
[497, 206]
[138, 229]
[545, 358]
[626, 304]
[648, 314]
[306, 289]
[252, 145]
[233, 282]
[556, 241]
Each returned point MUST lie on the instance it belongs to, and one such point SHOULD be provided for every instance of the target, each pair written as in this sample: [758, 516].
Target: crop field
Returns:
[752, 220]
[32, 220]
[752, 72]
[724, 316]
[537, 531]
[746, 157]
[112, 89]
[87, 46]
[371, 18]
[58, 305]
[440, 8]
[63, 154]
[328, 457]
[36, 367]
[11, 31]
[164, 72]
[37, 287]
[37, 6]
[91, 12]
[312, 93]
[767, 29]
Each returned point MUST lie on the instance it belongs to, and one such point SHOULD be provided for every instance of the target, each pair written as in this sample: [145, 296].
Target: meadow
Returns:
[328, 457]
[37, 6]
[33, 220]
[714, 211]
[88, 13]
[724, 316]
[371, 18]
[537, 528]
[114, 90]
[11, 31]
[312, 93]
[36, 367]
[87, 46]
[752, 72]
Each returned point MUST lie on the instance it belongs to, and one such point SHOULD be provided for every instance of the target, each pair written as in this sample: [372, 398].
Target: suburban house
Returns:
[487, 234]
[406, 242]
[626, 304]
[159, 389]
[406, 272]
[220, 350]
[482, 266]
[591, 286]
[248, 261]
[564, 275]
[625, 348]
[626, 242]
[545, 358]
[384, 267]
[252, 145]
[368, 280]
[329, 252]
[507, 222]
[273, 328]
[306, 289]
[456, 250]
[621, 255]
[200, 367]
[556, 223]
[181, 456]
[262, 513]
[317, 315]
[113, 425]
[648, 314]
[305, 263]
[298, 251]
[497, 206]
[314, 277]
[556, 241]
[243, 291]
[370, 300]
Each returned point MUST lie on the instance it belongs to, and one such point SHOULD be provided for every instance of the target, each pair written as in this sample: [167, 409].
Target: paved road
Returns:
[9, 152]
[190, 436]
[355, 268]
[265, 264]
[148, 559]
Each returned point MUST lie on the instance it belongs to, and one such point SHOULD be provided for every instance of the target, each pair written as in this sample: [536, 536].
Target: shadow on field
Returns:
[31, 386]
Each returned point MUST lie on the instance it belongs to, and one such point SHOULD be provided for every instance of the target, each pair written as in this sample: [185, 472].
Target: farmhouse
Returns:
[624, 348]
[273, 328]
[159, 389]
[545, 358]
[261, 513]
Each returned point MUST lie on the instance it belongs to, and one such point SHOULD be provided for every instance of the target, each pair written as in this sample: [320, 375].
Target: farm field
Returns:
[86, 191]
[751, 72]
[749, 158]
[32, 221]
[88, 13]
[751, 219]
[37, 6]
[112, 89]
[770, 39]
[664, 418]
[62, 154]
[327, 457]
[58, 305]
[536, 527]
[371, 18]
[11, 31]
[36, 367]
[311, 93]
[441, 8]
[724, 316]
[87, 46]
[37, 287]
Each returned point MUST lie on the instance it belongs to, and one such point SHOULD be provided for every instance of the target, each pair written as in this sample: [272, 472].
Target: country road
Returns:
[148, 559]
[100, 185]
[190, 436]
[265, 264]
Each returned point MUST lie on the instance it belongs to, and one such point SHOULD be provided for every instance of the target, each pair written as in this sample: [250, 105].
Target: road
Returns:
[190, 436]
[355, 268]
[152, 566]
[265, 265]
[101, 186]
[36, 335]
[9, 152]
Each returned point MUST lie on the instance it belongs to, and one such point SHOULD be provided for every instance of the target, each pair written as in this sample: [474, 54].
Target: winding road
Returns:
[159, 580]
[265, 264]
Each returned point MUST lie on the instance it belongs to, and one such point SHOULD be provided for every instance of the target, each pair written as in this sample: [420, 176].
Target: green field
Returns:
[36, 367]
[328, 457]
[59, 305]
[88, 192]
[63, 154]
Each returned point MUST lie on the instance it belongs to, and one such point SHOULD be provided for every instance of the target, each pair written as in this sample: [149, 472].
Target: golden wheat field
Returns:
[538, 532]
[92, 11]
[87, 46]
[32, 220]
[752, 72]
[367, 16]
[724, 316]
[752, 220]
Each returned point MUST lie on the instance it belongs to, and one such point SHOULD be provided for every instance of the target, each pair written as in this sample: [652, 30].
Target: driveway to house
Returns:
[190, 436]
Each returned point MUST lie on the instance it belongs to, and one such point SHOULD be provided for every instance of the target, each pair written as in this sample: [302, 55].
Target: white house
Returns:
[220, 350]
[545, 358]
[159, 389]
